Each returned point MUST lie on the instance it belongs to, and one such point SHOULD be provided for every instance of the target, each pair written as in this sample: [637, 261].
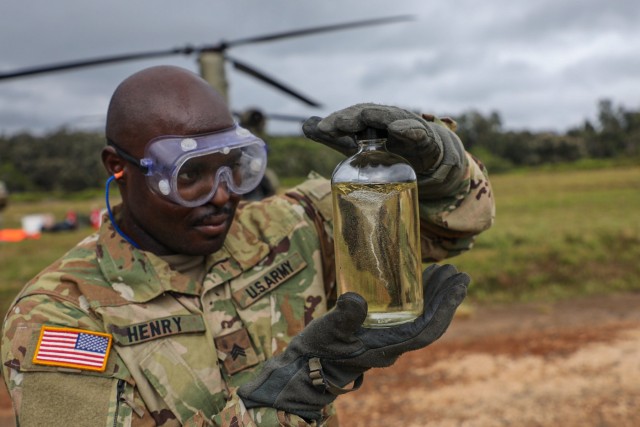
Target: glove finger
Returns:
[437, 316]
[417, 142]
[341, 143]
[310, 128]
[428, 273]
[444, 305]
[386, 344]
[351, 310]
[351, 120]
[434, 279]
[360, 116]
[410, 131]
[345, 122]
[337, 327]
[456, 152]
[381, 116]
[452, 284]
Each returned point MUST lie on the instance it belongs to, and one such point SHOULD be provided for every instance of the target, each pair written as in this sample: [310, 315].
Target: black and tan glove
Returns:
[435, 151]
[334, 350]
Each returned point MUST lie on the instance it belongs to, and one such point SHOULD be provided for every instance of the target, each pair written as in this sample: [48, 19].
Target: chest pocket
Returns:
[176, 382]
[276, 301]
[170, 354]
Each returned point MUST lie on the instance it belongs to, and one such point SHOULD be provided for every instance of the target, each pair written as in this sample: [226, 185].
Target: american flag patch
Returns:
[72, 348]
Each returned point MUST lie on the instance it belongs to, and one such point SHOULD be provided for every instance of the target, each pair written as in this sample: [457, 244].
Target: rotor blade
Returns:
[314, 30]
[190, 49]
[278, 116]
[96, 61]
[285, 117]
[269, 80]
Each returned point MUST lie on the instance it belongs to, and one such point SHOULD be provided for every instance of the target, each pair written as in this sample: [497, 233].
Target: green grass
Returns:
[559, 233]
[20, 261]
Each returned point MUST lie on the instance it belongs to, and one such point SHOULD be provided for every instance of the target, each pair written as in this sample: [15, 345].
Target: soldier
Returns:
[188, 307]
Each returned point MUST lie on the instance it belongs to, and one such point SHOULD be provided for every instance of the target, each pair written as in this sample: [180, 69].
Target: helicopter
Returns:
[212, 60]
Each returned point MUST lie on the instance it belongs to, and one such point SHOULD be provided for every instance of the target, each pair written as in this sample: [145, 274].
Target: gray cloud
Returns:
[542, 65]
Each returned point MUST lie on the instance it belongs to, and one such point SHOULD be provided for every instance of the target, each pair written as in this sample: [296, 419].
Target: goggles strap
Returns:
[128, 157]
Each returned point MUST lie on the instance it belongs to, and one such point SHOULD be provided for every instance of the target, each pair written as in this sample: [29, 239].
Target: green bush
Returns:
[297, 156]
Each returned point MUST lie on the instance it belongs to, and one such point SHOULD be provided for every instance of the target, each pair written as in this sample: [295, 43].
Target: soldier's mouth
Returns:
[213, 224]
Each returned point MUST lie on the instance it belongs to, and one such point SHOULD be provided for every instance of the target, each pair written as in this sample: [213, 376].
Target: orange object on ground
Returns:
[16, 235]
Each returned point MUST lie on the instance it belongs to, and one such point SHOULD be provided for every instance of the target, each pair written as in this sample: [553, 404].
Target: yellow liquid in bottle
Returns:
[378, 249]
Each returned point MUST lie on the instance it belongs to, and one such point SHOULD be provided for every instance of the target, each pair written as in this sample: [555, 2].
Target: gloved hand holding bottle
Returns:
[431, 147]
[334, 350]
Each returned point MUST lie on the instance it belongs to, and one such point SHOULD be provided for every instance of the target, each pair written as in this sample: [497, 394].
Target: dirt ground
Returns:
[573, 363]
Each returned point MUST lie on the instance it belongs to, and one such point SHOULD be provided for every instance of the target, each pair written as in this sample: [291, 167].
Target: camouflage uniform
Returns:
[181, 347]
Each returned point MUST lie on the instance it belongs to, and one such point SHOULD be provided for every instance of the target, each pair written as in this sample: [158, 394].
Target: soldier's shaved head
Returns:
[164, 100]
[158, 101]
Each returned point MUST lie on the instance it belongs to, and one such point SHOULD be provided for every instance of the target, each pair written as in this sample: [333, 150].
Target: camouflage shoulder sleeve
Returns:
[52, 396]
[48, 395]
[318, 191]
[314, 195]
[449, 225]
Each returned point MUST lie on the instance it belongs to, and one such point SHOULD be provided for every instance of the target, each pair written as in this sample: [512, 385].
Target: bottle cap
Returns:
[371, 133]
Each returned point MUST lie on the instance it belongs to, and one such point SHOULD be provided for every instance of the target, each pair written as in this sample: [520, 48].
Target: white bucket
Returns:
[32, 224]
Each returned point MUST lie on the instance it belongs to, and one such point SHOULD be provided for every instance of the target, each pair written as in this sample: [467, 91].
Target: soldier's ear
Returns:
[112, 162]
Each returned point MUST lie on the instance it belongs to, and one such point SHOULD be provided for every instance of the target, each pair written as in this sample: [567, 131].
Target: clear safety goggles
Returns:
[189, 169]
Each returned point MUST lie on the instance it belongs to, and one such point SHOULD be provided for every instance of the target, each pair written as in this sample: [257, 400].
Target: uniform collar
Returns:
[139, 276]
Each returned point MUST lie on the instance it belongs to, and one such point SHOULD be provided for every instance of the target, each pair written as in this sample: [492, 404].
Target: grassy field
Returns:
[558, 234]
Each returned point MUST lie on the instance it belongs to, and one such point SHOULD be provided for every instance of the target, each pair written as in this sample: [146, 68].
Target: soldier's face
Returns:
[164, 227]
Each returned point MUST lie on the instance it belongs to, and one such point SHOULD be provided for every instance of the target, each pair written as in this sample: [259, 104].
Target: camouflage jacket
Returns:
[179, 349]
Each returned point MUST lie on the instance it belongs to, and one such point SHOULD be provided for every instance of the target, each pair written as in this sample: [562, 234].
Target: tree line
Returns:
[69, 161]
[614, 134]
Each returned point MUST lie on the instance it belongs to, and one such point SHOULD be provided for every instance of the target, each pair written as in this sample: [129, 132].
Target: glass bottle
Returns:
[376, 231]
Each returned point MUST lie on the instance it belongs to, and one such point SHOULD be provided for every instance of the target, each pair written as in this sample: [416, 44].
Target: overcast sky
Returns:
[542, 64]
